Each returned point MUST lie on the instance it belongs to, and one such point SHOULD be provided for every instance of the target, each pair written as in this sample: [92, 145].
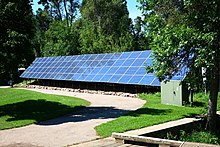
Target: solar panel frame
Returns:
[123, 67]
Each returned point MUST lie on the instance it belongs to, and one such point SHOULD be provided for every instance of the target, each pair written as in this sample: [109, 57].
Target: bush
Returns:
[200, 136]
[197, 135]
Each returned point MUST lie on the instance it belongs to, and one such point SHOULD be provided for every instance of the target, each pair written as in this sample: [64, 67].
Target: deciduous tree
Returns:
[186, 34]
[62, 9]
[105, 26]
[61, 40]
[16, 31]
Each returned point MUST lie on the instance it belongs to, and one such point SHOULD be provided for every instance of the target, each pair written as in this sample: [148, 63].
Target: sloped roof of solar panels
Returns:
[122, 68]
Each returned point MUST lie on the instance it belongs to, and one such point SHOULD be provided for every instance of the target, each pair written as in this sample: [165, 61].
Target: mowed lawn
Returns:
[153, 112]
[20, 107]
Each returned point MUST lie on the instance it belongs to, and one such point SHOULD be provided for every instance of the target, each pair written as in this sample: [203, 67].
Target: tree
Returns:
[17, 29]
[60, 40]
[56, 25]
[93, 41]
[111, 16]
[186, 34]
[62, 9]
[42, 23]
[140, 39]
[105, 26]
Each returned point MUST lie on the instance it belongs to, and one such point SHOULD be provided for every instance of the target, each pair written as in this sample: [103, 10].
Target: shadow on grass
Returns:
[199, 104]
[150, 111]
[37, 110]
[41, 110]
[88, 113]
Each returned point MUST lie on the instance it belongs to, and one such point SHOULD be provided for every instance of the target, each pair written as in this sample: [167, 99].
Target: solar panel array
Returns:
[122, 68]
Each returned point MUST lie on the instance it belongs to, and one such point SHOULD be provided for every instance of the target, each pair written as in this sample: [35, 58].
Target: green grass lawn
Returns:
[153, 112]
[20, 107]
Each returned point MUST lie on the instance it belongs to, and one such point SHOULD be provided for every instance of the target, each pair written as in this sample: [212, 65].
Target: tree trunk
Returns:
[57, 6]
[212, 105]
[71, 13]
[214, 87]
[67, 15]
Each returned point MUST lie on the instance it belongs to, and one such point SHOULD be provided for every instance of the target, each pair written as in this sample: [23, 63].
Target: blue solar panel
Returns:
[140, 71]
[118, 62]
[135, 79]
[75, 77]
[135, 55]
[147, 80]
[121, 70]
[131, 70]
[128, 62]
[138, 62]
[124, 68]
[155, 82]
[89, 77]
[125, 55]
[97, 78]
[125, 79]
[114, 78]
[105, 78]
[69, 76]
[145, 54]
[112, 70]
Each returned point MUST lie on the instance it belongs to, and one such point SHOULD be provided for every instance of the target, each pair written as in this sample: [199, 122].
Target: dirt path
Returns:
[72, 129]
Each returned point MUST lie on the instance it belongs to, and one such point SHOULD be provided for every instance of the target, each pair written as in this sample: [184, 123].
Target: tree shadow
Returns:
[88, 113]
[150, 111]
[41, 110]
[37, 110]
[199, 104]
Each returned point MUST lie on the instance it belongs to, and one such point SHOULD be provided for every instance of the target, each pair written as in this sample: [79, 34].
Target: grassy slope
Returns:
[151, 113]
[21, 107]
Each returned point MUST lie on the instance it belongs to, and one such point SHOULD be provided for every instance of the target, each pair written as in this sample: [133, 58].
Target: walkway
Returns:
[72, 129]
[106, 142]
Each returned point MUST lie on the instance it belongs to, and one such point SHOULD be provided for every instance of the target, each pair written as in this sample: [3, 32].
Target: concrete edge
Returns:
[121, 137]
[5, 86]
[163, 126]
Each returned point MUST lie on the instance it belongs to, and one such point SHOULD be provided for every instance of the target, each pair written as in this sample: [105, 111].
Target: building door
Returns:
[171, 93]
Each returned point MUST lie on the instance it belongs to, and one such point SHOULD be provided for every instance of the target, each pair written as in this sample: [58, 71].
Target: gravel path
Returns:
[72, 129]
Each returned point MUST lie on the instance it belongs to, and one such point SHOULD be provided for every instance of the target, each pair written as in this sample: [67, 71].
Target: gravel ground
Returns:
[71, 129]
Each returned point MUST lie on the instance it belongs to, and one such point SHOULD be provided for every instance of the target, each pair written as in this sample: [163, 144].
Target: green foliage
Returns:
[105, 27]
[24, 83]
[42, 23]
[182, 34]
[186, 34]
[17, 30]
[61, 9]
[110, 16]
[92, 41]
[57, 34]
[22, 107]
[202, 99]
[197, 135]
[141, 42]
[60, 40]
[152, 113]
[200, 136]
